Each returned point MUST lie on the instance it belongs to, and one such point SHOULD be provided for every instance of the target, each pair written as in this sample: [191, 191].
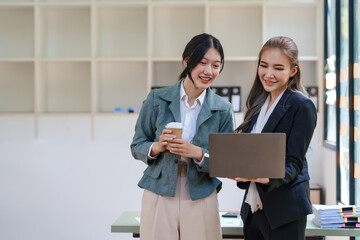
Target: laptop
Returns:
[247, 155]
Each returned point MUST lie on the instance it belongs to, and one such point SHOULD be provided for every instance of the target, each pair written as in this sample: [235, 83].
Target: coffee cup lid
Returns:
[174, 125]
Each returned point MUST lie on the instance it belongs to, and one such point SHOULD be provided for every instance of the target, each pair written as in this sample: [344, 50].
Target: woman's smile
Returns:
[205, 79]
[269, 83]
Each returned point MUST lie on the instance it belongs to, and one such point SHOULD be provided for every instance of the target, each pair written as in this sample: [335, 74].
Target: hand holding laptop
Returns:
[257, 180]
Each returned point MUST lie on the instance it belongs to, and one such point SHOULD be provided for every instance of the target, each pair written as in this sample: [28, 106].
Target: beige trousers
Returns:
[179, 218]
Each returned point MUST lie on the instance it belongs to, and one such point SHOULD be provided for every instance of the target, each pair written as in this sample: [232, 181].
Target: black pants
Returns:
[257, 228]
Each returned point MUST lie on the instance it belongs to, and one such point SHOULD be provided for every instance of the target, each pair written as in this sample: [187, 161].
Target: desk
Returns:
[127, 223]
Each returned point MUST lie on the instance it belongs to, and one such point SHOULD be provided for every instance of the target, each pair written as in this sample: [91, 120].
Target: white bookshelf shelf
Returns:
[16, 87]
[293, 2]
[60, 59]
[246, 42]
[167, 59]
[64, 4]
[16, 32]
[166, 73]
[65, 87]
[241, 59]
[308, 72]
[122, 31]
[174, 26]
[17, 60]
[118, 82]
[122, 1]
[180, 3]
[121, 59]
[76, 60]
[65, 31]
[299, 25]
[16, 4]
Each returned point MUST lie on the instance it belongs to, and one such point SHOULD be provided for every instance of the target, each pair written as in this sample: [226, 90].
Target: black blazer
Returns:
[287, 199]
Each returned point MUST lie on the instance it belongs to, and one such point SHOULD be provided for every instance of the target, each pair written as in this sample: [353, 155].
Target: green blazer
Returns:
[161, 107]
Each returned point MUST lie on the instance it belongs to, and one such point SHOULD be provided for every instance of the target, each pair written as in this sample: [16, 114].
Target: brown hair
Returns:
[258, 95]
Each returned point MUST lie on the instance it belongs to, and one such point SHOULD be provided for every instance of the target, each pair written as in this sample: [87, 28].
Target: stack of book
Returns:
[336, 216]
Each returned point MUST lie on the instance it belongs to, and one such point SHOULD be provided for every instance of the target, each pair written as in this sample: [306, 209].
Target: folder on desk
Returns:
[336, 225]
[336, 210]
[336, 216]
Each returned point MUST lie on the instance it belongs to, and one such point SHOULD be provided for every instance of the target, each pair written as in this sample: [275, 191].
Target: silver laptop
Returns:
[247, 155]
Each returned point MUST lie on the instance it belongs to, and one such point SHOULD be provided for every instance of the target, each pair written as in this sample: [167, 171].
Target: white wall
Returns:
[314, 156]
[329, 176]
[69, 187]
[62, 185]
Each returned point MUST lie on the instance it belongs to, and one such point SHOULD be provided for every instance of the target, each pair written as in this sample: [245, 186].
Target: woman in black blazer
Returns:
[276, 209]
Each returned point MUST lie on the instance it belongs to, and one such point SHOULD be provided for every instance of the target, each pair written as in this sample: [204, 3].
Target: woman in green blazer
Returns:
[180, 198]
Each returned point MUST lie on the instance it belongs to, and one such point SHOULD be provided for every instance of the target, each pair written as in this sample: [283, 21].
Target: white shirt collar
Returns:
[183, 95]
[264, 115]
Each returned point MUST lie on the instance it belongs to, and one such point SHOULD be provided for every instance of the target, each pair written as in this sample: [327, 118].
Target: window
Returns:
[356, 76]
[330, 75]
[342, 94]
[344, 120]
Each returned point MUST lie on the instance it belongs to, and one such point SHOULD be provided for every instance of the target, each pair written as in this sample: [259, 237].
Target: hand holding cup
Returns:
[173, 130]
[176, 128]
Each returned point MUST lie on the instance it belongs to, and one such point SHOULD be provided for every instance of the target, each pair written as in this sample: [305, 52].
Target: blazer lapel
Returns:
[210, 104]
[278, 112]
[175, 110]
[205, 114]
[172, 95]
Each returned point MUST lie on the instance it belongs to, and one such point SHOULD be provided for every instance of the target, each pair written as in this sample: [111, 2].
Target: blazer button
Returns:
[176, 161]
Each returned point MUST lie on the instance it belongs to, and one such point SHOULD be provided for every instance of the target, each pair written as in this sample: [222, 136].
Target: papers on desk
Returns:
[336, 216]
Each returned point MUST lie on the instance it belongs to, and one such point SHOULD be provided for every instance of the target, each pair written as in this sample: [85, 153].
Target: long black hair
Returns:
[195, 51]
